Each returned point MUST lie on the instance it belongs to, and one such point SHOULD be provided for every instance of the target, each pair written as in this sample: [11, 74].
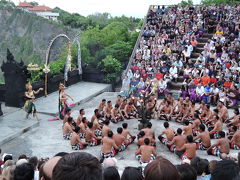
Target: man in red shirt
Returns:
[205, 79]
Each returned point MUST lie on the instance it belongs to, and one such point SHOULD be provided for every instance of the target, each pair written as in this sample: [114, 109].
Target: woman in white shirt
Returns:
[199, 92]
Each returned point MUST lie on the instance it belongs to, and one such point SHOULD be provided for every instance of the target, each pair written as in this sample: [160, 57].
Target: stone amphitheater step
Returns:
[203, 40]
[199, 50]
[201, 45]
[195, 55]
[194, 59]
[207, 35]
[175, 85]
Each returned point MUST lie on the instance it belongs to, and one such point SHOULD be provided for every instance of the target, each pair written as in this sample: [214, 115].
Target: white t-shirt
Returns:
[215, 91]
[200, 90]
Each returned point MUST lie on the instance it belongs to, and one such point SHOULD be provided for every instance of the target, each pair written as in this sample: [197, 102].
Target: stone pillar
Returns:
[15, 75]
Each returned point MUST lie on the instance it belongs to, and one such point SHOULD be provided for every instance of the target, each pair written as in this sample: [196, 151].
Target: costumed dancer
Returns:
[62, 101]
[29, 106]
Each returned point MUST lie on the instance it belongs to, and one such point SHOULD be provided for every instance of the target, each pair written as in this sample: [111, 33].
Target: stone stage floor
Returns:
[46, 140]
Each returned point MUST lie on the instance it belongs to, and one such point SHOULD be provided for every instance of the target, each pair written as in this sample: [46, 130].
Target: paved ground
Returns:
[13, 123]
[81, 92]
[46, 140]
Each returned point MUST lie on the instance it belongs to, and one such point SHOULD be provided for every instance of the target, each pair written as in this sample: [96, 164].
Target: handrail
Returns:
[136, 45]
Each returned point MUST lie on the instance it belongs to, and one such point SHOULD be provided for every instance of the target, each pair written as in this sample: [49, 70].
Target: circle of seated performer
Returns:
[235, 141]
[75, 140]
[68, 129]
[221, 148]
[116, 115]
[217, 126]
[129, 138]
[105, 128]
[165, 113]
[204, 138]
[130, 112]
[91, 138]
[169, 132]
[146, 153]
[177, 142]
[109, 147]
[188, 150]
[120, 139]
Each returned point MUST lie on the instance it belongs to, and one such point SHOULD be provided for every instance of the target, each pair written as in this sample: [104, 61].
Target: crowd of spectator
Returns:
[84, 166]
[171, 49]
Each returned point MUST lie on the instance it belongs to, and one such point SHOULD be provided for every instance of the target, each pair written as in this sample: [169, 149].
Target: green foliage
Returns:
[112, 68]
[209, 2]
[34, 3]
[186, 3]
[120, 50]
[114, 32]
[57, 66]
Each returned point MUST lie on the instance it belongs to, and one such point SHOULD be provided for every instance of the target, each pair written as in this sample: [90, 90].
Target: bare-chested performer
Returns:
[234, 120]
[119, 100]
[68, 129]
[97, 126]
[116, 114]
[223, 112]
[170, 99]
[109, 147]
[75, 141]
[150, 108]
[201, 107]
[101, 107]
[210, 122]
[165, 113]
[169, 132]
[83, 127]
[149, 133]
[80, 116]
[67, 115]
[162, 104]
[183, 113]
[122, 106]
[235, 141]
[206, 113]
[178, 106]
[94, 116]
[221, 148]
[130, 111]
[146, 153]
[204, 138]
[120, 139]
[105, 128]
[188, 150]
[91, 138]
[218, 126]
[129, 138]
[108, 110]
[187, 128]
[196, 122]
[141, 137]
[192, 109]
[177, 142]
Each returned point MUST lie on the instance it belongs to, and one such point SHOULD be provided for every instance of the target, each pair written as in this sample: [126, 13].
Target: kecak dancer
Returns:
[62, 101]
[29, 106]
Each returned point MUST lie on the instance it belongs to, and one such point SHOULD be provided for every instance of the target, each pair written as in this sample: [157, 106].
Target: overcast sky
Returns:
[135, 8]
